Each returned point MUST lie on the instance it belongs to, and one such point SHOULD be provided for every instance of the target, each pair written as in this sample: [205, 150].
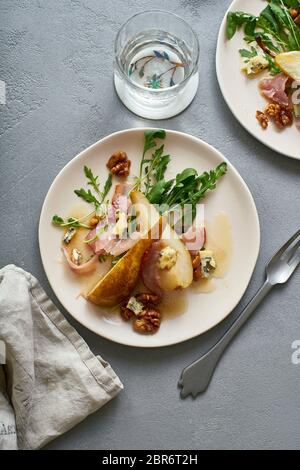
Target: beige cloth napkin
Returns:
[51, 380]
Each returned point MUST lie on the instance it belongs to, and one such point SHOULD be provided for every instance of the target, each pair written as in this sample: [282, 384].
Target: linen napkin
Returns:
[51, 380]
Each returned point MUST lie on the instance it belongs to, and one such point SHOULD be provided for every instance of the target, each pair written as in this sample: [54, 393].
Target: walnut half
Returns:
[196, 261]
[147, 299]
[282, 115]
[149, 319]
[126, 313]
[262, 119]
[147, 322]
[118, 164]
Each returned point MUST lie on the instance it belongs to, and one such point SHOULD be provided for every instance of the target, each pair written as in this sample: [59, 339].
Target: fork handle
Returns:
[201, 371]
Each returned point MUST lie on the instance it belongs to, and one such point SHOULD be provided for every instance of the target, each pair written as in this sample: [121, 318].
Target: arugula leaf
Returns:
[231, 25]
[292, 3]
[107, 186]
[208, 181]
[237, 19]
[293, 29]
[154, 164]
[248, 54]
[87, 196]
[279, 14]
[273, 68]
[182, 189]
[93, 180]
[149, 143]
[152, 169]
[268, 15]
[155, 194]
[161, 167]
[250, 26]
[185, 174]
[150, 137]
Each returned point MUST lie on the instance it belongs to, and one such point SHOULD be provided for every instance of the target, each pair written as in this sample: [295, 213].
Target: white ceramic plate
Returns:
[204, 310]
[242, 94]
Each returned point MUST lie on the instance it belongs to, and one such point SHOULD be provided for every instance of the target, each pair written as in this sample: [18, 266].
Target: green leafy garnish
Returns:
[274, 26]
[190, 187]
[248, 54]
[57, 220]
[150, 137]
[237, 19]
[186, 188]
[149, 143]
[92, 180]
[107, 186]
[70, 222]
[96, 199]
[273, 68]
[87, 195]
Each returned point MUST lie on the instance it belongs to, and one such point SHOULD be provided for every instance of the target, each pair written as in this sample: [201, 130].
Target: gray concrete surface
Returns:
[56, 59]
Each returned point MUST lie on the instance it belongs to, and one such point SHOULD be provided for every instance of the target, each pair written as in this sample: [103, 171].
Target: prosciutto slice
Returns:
[107, 242]
[124, 244]
[104, 242]
[120, 200]
[149, 271]
[298, 123]
[274, 89]
[84, 268]
[194, 238]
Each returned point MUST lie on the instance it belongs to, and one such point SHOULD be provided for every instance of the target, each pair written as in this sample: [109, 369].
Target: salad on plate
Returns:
[148, 239]
[272, 45]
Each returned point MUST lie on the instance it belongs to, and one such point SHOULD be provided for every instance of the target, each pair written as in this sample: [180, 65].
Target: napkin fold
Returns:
[50, 380]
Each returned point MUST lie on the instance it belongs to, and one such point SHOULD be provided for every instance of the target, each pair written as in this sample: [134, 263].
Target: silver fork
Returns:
[196, 377]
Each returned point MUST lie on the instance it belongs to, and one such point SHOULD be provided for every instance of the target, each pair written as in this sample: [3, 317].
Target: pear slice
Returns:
[118, 283]
[289, 63]
[181, 274]
[147, 216]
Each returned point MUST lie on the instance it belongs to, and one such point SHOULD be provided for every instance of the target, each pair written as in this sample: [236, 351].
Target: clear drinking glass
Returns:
[156, 64]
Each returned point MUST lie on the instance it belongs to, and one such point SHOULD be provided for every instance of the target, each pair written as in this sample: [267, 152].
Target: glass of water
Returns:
[156, 64]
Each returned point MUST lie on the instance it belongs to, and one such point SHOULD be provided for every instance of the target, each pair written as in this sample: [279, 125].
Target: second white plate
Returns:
[242, 94]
